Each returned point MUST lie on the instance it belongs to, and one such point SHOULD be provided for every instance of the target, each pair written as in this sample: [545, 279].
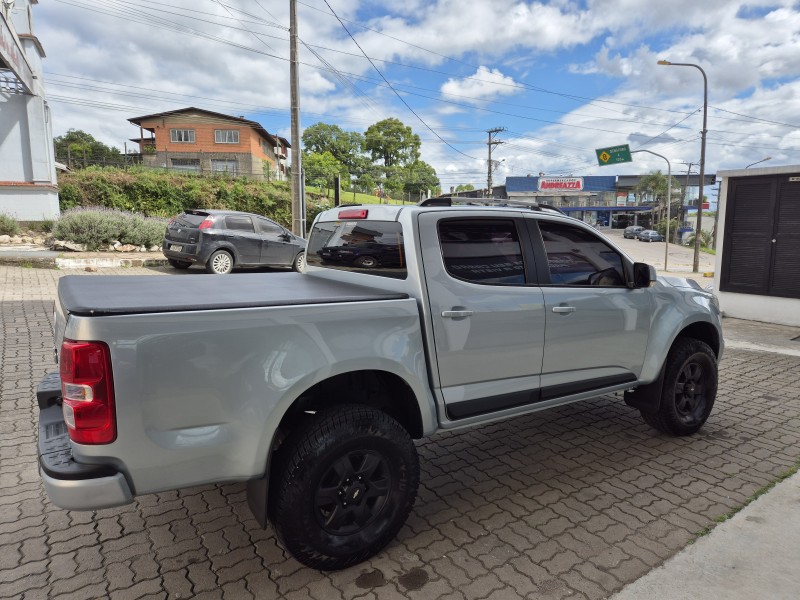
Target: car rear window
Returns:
[373, 247]
[190, 219]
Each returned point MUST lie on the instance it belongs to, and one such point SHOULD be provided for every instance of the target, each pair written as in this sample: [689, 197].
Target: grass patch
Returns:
[754, 496]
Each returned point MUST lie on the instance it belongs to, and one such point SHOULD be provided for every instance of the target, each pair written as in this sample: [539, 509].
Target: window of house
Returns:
[191, 165]
[482, 251]
[223, 166]
[181, 136]
[226, 136]
[578, 257]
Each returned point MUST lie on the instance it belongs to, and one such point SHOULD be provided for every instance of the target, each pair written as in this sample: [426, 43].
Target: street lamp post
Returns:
[696, 263]
[765, 159]
[669, 199]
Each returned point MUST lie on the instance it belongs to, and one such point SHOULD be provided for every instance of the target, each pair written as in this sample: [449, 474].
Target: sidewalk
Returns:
[755, 554]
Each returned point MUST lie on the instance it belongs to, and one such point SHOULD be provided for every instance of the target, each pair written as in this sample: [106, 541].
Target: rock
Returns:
[25, 239]
[111, 248]
[116, 243]
[74, 246]
[91, 269]
[125, 248]
[5, 239]
[16, 239]
[39, 241]
[155, 248]
[141, 249]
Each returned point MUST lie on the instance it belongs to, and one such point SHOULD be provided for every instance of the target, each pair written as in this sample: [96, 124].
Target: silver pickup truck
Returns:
[312, 386]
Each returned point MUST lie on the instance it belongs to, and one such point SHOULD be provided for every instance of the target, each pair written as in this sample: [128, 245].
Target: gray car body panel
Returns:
[200, 393]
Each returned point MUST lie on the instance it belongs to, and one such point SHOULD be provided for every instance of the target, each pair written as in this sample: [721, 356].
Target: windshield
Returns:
[373, 247]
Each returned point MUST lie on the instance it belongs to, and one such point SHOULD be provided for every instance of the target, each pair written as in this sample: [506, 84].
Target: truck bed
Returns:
[114, 295]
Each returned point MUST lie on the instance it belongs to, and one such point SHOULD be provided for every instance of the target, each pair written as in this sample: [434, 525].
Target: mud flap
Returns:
[647, 398]
[257, 499]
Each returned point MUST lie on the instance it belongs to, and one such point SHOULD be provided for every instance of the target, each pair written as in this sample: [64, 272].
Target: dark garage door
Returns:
[761, 253]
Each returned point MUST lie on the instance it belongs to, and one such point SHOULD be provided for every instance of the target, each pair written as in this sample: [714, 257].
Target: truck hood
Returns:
[682, 283]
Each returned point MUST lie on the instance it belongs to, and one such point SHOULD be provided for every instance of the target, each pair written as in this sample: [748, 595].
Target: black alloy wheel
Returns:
[342, 486]
[689, 390]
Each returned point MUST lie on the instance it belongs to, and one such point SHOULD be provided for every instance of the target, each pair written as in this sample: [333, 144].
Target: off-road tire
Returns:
[220, 263]
[179, 264]
[343, 485]
[689, 390]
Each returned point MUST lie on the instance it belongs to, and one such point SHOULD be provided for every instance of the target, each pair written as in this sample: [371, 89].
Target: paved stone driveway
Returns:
[572, 502]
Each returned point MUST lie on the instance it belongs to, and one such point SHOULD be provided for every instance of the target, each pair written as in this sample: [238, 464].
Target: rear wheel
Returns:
[344, 485]
[220, 263]
[299, 262]
[179, 264]
[689, 390]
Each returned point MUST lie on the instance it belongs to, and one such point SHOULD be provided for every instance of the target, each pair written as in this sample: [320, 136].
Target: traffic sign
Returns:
[613, 155]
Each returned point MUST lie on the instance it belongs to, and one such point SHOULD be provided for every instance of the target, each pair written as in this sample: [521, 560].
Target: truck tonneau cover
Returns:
[124, 295]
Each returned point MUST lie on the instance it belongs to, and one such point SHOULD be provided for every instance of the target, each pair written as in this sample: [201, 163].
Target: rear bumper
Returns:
[188, 253]
[70, 484]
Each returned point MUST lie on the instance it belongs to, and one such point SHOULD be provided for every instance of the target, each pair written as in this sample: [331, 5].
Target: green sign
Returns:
[613, 155]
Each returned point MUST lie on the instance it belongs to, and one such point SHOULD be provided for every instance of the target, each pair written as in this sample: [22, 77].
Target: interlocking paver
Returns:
[569, 503]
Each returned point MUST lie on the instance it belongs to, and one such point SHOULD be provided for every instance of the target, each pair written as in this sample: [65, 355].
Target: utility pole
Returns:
[491, 143]
[685, 199]
[297, 217]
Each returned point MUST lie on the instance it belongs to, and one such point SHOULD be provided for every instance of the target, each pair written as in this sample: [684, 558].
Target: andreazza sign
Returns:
[561, 184]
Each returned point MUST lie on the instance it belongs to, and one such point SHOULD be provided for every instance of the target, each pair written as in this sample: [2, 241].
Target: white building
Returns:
[757, 274]
[28, 188]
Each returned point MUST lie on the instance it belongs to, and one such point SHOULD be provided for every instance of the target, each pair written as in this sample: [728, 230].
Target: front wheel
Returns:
[343, 487]
[689, 390]
[367, 262]
[220, 263]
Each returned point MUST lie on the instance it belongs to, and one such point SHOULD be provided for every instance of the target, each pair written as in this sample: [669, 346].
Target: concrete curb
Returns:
[45, 259]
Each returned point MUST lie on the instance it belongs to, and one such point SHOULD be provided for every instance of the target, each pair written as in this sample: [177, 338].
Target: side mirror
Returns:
[643, 275]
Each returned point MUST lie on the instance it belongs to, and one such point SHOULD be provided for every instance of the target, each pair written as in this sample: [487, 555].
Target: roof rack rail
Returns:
[450, 201]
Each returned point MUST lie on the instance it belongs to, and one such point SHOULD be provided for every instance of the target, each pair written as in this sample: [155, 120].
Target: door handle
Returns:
[563, 310]
[456, 314]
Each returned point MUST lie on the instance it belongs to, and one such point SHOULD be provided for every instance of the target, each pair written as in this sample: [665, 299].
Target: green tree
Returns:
[468, 187]
[346, 146]
[321, 169]
[419, 178]
[84, 149]
[393, 143]
[654, 187]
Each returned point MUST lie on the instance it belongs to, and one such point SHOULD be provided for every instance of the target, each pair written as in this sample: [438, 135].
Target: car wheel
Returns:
[299, 262]
[220, 263]
[179, 264]
[689, 389]
[368, 262]
[343, 487]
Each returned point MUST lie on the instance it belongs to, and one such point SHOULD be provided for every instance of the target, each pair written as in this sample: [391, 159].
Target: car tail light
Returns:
[87, 391]
[206, 224]
[360, 213]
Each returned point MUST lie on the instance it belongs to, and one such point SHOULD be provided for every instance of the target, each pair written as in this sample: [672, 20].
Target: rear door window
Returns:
[237, 223]
[484, 251]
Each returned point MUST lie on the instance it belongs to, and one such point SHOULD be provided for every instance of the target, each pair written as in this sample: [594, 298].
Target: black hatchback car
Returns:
[222, 239]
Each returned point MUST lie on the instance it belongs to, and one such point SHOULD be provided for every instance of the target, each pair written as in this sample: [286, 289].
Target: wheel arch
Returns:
[376, 388]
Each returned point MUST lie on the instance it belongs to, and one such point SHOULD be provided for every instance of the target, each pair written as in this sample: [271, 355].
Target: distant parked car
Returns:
[649, 235]
[632, 231]
[222, 239]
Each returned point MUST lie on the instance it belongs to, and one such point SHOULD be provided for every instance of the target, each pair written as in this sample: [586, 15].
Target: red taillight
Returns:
[207, 223]
[88, 392]
[360, 213]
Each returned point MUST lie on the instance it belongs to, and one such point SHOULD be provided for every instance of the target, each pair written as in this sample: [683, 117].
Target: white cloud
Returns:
[485, 84]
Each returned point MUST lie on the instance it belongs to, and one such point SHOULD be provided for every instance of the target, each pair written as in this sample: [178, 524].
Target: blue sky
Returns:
[561, 77]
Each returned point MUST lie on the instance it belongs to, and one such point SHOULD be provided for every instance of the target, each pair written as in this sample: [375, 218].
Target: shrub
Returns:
[8, 225]
[98, 227]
